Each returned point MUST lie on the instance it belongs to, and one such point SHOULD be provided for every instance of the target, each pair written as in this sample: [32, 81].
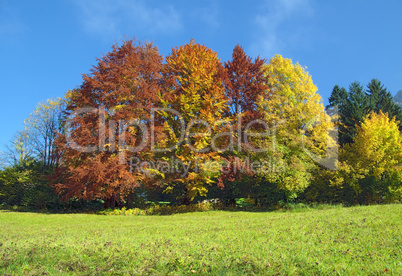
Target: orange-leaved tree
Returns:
[109, 118]
[194, 100]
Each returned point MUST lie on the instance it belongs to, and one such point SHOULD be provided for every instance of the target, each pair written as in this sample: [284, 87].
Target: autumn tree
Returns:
[108, 124]
[31, 157]
[298, 125]
[372, 163]
[244, 83]
[194, 94]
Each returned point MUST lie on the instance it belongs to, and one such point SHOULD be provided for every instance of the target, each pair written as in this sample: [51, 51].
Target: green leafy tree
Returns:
[37, 139]
[31, 157]
[23, 184]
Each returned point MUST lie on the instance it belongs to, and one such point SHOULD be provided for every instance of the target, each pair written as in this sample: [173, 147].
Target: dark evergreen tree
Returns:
[381, 99]
[336, 100]
[374, 89]
[353, 105]
[352, 111]
[338, 97]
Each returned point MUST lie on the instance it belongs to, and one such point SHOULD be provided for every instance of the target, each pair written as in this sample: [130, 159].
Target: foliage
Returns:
[355, 104]
[32, 157]
[137, 130]
[295, 112]
[121, 90]
[328, 187]
[193, 88]
[24, 185]
[19, 150]
[337, 97]
[372, 164]
[336, 101]
[355, 108]
[381, 100]
[244, 84]
[41, 127]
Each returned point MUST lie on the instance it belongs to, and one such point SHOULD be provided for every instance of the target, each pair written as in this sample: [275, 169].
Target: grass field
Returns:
[335, 241]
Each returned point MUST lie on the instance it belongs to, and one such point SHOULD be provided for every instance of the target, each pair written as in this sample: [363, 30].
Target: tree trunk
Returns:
[110, 202]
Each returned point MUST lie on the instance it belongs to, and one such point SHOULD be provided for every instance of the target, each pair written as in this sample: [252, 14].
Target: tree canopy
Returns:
[188, 127]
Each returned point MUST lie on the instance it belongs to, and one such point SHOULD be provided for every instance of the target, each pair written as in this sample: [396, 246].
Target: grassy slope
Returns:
[346, 241]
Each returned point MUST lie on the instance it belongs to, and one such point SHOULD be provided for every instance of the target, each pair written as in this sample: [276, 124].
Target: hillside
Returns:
[398, 98]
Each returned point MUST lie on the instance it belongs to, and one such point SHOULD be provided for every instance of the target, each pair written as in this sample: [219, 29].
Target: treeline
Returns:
[185, 128]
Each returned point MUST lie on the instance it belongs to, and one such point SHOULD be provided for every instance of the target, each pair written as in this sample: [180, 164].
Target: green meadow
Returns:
[363, 240]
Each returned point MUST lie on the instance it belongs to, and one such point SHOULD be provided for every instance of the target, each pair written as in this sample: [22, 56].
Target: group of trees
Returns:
[31, 157]
[368, 123]
[356, 104]
[187, 127]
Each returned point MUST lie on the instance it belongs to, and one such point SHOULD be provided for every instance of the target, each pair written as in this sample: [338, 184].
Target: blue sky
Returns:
[45, 46]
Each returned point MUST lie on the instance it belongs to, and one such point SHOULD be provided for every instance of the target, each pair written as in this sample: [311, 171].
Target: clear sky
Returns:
[45, 46]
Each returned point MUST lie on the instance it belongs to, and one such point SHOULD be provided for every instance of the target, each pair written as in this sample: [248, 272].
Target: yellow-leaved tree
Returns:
[372, 163]
[194, 102]
[298, 125]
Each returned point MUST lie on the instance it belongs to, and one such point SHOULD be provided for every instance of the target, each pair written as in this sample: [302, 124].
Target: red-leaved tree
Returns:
[109, 118]
[244, 83]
